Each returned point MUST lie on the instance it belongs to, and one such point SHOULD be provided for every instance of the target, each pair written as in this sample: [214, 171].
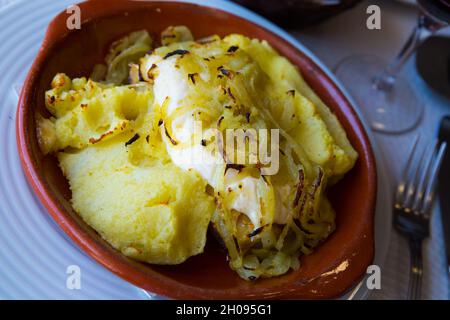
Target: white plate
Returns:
[34, 252]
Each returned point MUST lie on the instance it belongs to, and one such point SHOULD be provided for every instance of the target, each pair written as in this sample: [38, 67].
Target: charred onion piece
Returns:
[176, 52]
[256, 232]
[220, 121]
[299, 225]
[317, 183]
[191, 77]
[232, 49]
[132, 140]
[236, 243]
[299, 187]
[172, 140]
[228, 73]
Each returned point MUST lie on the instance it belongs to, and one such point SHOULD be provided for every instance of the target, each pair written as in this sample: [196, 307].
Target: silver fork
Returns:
[413, 205]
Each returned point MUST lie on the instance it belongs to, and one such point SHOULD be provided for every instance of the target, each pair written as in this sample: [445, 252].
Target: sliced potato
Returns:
[158, 214]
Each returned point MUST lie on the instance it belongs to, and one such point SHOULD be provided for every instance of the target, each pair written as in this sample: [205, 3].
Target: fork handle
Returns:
[415, 273]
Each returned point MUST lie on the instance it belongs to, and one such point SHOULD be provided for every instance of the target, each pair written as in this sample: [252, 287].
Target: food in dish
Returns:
[140, 176]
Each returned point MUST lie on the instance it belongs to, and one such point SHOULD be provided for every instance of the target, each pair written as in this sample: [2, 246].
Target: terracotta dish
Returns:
[333, 268]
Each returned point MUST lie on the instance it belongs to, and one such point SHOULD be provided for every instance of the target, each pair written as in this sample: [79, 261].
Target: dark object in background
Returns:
[436, 8]
[297, 13]
[433, 63]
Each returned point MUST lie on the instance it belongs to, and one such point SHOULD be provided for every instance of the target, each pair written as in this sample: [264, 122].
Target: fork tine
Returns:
[424, 172]
[414, 177]
[402, 186]
[431, 179]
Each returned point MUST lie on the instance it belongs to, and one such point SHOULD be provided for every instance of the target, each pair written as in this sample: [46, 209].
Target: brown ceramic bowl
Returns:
[206, 276]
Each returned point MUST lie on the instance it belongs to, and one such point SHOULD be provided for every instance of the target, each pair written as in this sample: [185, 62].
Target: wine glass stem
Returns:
[386, 79]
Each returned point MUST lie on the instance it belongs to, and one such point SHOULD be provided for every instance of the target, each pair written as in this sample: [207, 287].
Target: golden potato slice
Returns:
[157, 214]
[87, 112]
